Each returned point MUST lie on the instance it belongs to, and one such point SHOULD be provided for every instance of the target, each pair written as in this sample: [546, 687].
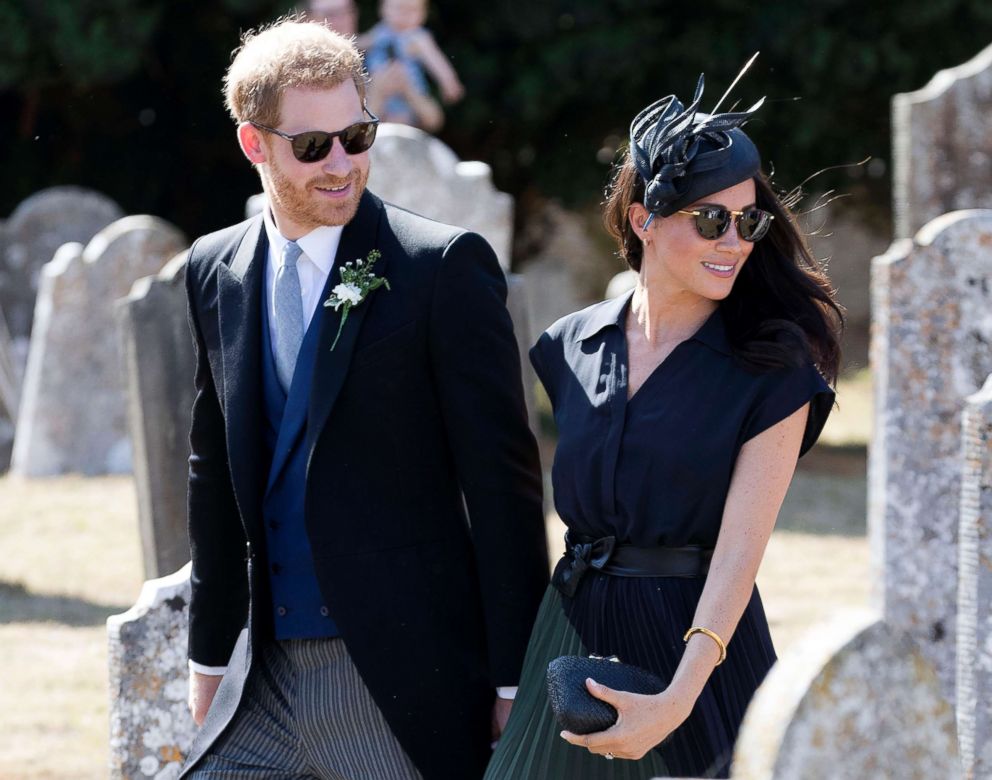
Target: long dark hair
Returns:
[782, 309]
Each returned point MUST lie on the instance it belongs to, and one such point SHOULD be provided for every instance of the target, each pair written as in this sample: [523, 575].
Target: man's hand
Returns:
[501, 714]
[202, 688]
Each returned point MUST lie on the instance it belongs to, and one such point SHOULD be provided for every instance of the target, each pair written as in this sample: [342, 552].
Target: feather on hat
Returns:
[683, 154]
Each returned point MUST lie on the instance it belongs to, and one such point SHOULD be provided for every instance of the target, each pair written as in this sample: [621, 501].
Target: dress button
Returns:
[324, 611]
[281, 611]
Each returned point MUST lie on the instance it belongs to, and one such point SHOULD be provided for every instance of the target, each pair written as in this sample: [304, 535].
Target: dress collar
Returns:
[613, 313]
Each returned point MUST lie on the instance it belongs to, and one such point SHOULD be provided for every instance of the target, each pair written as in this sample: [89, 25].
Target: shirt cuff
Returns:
[507, 692]
[213, 671]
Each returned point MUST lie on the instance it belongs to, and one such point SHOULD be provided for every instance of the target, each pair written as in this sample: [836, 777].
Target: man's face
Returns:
[304, 196]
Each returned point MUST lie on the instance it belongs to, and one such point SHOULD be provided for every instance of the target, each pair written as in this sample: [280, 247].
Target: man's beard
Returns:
[308, 209]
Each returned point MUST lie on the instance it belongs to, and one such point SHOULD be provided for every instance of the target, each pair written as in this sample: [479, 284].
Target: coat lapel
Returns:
[331, 366]
[240, 311]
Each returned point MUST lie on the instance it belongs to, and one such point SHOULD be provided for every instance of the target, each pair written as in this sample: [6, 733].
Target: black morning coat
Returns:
[419, 404]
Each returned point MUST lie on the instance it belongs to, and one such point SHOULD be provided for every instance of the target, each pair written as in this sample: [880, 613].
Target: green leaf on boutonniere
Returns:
[357, 281]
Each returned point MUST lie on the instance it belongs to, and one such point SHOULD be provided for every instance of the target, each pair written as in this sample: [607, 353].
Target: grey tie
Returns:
[289, 314]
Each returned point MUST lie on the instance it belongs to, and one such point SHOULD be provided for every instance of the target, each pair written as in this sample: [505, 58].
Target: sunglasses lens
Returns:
[357, 138]
[311, 147]
[711, 223]
[754, 224]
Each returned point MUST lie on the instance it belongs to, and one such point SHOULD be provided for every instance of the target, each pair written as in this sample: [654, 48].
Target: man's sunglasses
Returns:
[713, 221]
[315, 145]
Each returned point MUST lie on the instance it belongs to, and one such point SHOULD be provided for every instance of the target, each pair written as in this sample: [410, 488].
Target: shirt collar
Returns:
[320, 245]
[712, 333]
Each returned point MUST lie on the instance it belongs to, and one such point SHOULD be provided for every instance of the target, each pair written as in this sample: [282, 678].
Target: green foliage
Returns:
[80, 43]
[124, 95]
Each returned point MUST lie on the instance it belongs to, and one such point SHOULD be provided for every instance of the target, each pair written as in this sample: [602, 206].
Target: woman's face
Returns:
[682, 262]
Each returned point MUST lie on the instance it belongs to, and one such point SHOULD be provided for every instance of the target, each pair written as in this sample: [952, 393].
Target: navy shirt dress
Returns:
[653, 470]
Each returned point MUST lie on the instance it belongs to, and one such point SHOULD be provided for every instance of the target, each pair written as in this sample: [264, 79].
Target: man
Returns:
[349, 617]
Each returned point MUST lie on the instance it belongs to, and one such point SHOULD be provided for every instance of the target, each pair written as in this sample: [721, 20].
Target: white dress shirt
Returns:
[319, 247]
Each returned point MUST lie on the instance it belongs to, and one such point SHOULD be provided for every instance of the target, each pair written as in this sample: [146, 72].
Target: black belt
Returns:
[624, 560]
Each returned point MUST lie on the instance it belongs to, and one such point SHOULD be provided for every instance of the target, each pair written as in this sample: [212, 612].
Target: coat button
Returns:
[281, 611]
[325, 611]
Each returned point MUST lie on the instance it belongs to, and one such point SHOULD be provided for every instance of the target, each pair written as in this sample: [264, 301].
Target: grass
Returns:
[849, 425]
[71, 558]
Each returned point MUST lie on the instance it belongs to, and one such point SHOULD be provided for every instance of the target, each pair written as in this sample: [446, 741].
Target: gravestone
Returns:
[151, 729]
[73, 408]
[158, 352]
[10, 390]
[37, 227]
[931, 349]
[974, 670]
[412, 169]
[942, 145]
[567, 263]
[518, 304]
[855, 698]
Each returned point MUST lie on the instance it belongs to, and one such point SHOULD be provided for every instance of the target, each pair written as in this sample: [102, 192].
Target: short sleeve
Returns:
[785, 391]
[541, 357]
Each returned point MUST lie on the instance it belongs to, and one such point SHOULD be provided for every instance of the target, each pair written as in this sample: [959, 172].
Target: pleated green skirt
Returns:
[640, 620]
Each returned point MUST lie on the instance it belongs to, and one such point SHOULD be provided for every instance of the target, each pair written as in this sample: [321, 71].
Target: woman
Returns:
[682, 408]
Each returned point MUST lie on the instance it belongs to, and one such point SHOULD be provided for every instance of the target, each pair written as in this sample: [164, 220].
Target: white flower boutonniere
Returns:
[357, 281]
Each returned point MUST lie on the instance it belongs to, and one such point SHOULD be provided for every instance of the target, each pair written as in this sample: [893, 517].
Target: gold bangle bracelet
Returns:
[712, 635]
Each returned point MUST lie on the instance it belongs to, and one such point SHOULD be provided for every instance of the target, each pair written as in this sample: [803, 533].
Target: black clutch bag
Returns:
[579, 711]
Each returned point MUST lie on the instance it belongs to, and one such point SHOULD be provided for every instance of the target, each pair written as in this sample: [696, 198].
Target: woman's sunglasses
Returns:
[713, 221]
[315, 145]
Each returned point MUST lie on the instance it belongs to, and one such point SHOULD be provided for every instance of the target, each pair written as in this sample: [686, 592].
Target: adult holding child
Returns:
[400, 53]
[682, 408]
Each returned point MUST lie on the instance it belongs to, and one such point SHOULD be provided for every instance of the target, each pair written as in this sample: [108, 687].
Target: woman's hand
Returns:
[643, 722]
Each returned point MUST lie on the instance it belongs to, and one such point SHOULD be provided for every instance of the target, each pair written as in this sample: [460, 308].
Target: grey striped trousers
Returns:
[306, 713]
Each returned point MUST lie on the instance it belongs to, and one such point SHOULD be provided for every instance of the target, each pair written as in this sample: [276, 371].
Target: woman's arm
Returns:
[761, 478]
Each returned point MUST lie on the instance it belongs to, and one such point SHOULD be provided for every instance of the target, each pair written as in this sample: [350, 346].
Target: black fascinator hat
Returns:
[683, 154]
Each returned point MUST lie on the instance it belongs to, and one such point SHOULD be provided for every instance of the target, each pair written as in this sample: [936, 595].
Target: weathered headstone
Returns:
[855, 698]
[73, 408]
[931, 349]
[158, 352]
[418, 172]
[518, 304]
[9, 381]
[10, 392]
[151, 729]
[942, 145]
[37, 227]
[622, 283]
[974, 672]
[567, 264]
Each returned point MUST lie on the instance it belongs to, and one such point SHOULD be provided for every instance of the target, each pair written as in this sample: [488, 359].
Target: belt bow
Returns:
[578, 559]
